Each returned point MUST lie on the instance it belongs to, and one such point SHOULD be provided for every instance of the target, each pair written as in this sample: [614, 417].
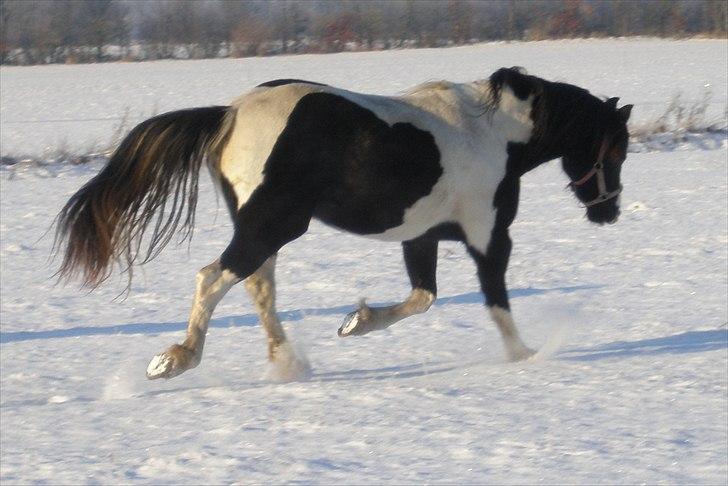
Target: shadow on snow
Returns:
[384, 373]
[248, 320]
[413, 370]
[686, 342]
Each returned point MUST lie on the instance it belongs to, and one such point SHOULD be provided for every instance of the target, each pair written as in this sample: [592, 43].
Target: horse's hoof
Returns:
[522, 353]
[353, 325]
[174, 361]
[288, 364]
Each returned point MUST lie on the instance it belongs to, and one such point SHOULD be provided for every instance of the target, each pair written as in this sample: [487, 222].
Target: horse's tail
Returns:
[154, 171]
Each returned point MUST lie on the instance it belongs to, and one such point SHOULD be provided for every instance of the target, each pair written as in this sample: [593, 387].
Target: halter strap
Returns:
[598, 170]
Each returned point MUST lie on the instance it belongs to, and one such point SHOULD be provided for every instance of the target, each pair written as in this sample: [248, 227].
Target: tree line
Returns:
[72, 31]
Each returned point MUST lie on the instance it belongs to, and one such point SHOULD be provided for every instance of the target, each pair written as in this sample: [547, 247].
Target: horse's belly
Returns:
[380, 220]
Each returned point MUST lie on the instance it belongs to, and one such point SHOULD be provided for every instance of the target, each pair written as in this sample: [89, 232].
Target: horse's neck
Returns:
[553, 123]
[508, 116]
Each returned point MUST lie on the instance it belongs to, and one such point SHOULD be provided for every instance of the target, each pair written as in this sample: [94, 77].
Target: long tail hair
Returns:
[154, 171]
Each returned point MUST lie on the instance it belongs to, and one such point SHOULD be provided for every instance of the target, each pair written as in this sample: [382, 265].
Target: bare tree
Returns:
[5, 15]
[716, 15]
[460, 16]
[82, 30]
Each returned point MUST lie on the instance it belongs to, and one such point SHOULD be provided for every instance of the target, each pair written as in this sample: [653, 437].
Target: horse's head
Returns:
[594, 166]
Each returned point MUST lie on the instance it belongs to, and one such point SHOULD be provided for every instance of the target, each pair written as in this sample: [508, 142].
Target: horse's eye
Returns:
[616, 156]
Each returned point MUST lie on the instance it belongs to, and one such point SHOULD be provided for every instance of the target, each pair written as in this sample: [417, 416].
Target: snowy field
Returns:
[631, 383]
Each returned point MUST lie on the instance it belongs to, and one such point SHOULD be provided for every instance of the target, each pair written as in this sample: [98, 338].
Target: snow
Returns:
[629, 384]
[81, 106]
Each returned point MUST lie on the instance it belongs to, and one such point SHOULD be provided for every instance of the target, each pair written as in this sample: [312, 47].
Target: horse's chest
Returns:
[474, 185]
[476, 216]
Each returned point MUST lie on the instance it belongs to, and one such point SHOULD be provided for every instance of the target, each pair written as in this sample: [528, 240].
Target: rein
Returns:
[598, 170]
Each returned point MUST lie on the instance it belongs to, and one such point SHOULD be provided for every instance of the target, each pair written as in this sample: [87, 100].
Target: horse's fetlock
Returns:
[364, 311]
[421, 300]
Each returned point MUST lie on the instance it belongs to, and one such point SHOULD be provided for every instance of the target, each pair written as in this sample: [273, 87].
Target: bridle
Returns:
[598, 170]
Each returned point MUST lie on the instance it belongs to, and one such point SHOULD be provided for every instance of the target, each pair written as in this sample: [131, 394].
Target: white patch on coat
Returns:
[472, 147]
[261, 116]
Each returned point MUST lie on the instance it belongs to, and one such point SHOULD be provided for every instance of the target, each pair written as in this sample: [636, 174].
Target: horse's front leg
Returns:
[420, 258]
[491, 272]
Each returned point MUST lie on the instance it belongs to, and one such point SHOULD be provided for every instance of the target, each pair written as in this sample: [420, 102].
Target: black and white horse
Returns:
[441, 162]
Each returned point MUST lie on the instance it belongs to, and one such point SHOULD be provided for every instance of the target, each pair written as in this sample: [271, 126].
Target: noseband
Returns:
[598, 170]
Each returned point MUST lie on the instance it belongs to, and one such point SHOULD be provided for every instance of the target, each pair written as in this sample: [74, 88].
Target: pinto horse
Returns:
[441, 162]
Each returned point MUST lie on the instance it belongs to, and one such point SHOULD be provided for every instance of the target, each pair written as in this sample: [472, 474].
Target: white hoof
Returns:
[351, 321]
[174, 361]
[362, 321]
[159, 366]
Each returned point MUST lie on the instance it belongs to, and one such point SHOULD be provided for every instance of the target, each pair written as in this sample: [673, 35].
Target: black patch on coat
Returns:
[520, 83]
[492, 269]
[228, 194]
[357, 172]
[493, 264]
[282, 82]
[420, 259]
[446, 232]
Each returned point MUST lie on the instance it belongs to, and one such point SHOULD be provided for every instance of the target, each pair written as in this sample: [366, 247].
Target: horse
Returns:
[441, 161]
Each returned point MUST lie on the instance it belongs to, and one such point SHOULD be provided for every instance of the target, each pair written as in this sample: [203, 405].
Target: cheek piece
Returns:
[598, 170]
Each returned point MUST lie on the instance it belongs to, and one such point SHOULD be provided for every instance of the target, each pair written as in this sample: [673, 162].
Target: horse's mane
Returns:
[429, 85]
[479, 100]
[556, 106]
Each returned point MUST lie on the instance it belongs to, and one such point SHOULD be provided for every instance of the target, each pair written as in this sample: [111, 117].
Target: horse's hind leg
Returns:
[288, 363]
[213, 282]
[265, 223]
[420, 258]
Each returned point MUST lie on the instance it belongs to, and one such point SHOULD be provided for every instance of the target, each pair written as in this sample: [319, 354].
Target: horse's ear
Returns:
[612, 103]
[624, 112]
